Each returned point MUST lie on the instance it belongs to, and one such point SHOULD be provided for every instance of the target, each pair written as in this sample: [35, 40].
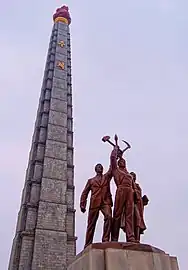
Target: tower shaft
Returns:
[45, 233]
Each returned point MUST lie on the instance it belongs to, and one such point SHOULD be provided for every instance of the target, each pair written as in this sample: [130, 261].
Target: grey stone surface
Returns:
[174, 263]
[69, 65]
[82, 263]
[61, 36]
[69, 100]
[61, 57]
[49, 250]
[59, 73]
[44, 120]
[40, 152]
[58, 118]
[139, 260]
[70, 140]
[59, 83]
[93, 260]
[70, 156]
[62, 50]
[46, 106]
[54, 38]
[55, 27]
[70, 198]
[69, 111]
[35, 193]
[56, 149]
[53, 190]
[70, 224]
[15, 253]
[38, 169]
[115, 259]
[42, 135]
[64, 38]
[69, 79]
[53, 50]
[53, 44]
[97, 259]
[69, 70]
[55, 169]
[50, 73]
[51, 66]
[69, 90]
[58, 105]
[161, 261]
[62, 32]
[31, 218]
[47, 94]
[59, 93]
[63, 26]
[21, 219]
[25, 194]
[35, 134]
[26, 253]
[57, 133]
[70, 176]
[122, 259]
[29, 171]
[51, 216]
[49, 84]
[71, 250]
[69, 124]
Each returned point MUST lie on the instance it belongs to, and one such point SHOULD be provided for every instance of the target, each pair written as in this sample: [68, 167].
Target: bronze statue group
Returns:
[128, 211]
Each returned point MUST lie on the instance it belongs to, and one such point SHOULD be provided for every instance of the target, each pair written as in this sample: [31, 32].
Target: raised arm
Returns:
[113, 159]
[83, 198]
[108, 174]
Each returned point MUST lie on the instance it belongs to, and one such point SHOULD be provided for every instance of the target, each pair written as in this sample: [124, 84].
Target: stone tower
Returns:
[45, 234]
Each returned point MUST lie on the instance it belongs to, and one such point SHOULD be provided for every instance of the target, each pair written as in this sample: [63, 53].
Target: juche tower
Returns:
[45, 232]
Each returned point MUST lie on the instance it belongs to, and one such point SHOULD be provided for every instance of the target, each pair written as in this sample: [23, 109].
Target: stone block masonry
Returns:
[123, 256]
[45, 233]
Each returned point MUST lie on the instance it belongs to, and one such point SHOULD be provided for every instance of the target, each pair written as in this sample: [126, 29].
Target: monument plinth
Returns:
[123, 256]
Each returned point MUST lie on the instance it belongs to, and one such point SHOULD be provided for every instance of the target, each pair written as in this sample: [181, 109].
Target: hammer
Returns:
[107, 139]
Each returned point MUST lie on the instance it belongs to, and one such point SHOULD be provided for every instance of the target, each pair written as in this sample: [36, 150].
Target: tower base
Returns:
[123, 256]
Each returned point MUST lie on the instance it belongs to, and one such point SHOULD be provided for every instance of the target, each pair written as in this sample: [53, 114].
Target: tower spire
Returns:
[45, 232]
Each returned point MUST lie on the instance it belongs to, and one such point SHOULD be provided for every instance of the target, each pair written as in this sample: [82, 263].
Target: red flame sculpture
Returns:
[62, 12]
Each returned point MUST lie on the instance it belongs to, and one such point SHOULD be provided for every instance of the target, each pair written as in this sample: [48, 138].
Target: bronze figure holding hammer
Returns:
[124, 198]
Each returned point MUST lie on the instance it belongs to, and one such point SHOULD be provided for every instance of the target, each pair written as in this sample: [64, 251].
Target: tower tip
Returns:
[62, 15]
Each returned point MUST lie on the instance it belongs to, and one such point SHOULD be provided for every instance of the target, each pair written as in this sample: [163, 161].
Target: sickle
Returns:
[128, 146]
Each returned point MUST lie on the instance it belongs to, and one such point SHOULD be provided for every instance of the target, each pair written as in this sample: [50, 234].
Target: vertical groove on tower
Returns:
[45, 233]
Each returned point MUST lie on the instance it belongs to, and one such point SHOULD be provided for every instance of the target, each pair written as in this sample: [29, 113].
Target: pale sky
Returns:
[130, 64]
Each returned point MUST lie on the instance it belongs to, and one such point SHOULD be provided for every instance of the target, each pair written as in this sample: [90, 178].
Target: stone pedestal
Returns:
[123, 256]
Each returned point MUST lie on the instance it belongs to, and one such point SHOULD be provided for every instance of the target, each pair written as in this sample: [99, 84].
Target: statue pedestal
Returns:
[123, 256]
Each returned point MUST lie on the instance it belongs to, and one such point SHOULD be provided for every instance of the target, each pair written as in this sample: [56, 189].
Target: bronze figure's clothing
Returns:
[139, 211]
[101, 200]
[138, 218]
[124, 201]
